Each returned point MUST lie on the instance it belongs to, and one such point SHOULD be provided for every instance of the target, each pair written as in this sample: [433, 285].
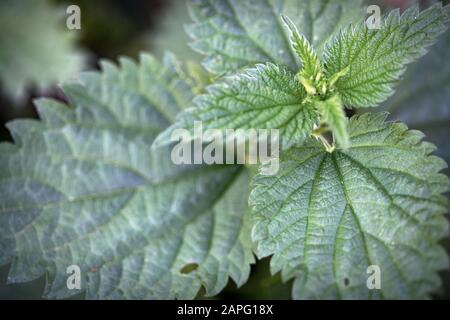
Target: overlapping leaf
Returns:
[233, 34]
[325, 217]
[266, 96]
[376, 58]
[82, 187]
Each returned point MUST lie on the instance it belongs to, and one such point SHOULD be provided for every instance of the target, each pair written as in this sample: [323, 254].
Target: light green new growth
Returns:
[334, 117]
[317, 87]
[359, 69]
[268, 97]
[311, 73]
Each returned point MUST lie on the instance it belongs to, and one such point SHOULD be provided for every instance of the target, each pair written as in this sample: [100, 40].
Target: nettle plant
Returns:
[91, 184]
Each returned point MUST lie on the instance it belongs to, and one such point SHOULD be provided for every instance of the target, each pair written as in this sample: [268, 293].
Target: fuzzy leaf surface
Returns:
[83, 187]
[377, 58]
[233, 34]
[326, 217]
[264, 97]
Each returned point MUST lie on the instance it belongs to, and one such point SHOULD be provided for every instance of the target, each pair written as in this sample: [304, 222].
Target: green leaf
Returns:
[233, 34]
[311, 67]
[325, 217]
[264, 97]
[422, 99]
[83, 187]
[377, 58]
[35, 46]
[333, 114]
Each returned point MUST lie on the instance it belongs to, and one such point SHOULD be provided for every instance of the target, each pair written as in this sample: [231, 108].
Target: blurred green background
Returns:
[111, 28]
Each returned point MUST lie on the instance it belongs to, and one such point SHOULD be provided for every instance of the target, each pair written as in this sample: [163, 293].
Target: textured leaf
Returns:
[422, 99]
[35, 46]
[311, 66]
[83, 187]
[334, 116]
[376, 59]
[326, 217]
[234, 34]
[266, 96]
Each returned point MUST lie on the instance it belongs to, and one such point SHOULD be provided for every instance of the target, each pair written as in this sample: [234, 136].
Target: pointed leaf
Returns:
[311, 67]
[333, 115]
[264, 97]
[377, 58]
[326, 217]
[83, 187]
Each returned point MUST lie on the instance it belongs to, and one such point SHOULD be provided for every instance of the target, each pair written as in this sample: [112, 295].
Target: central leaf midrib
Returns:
[335, 162]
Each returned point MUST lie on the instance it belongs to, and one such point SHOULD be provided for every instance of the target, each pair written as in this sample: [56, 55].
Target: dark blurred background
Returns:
[111, 28]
